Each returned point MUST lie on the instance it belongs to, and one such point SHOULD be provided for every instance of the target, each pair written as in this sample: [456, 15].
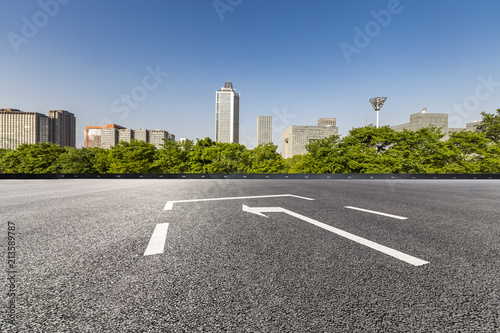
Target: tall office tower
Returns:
[94, 136]
[264, 130]
[227, 114]
[141, 135]
[18, 127]
[156, 137]
[295, 138]
[62, 128]
[125, 135]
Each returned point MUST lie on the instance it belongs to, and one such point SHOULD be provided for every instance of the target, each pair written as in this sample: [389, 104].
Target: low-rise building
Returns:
[295, 138]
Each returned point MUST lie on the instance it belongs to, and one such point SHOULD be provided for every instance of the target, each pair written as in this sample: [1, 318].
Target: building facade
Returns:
[141, 135]
[425, 119]
[295, 138]
[18, 127]
[156, 137]
[100, 137]
[125, 134]
[264, 130]
[227, 114]
[62, 128]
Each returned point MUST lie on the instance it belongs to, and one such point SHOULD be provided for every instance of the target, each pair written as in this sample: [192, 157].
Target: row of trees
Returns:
[363, 150]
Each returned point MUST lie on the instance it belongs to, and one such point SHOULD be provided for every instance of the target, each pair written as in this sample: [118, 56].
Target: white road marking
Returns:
[169, 205]
[157, 242]
[381, 248]
[378, 213]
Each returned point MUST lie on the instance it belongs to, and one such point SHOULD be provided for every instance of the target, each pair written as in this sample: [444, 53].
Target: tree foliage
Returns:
[363, 150]
[490, 126]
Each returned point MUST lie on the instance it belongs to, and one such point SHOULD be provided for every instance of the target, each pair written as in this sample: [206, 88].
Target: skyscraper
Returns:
[62, 128]
[227, 114]
[264, 130]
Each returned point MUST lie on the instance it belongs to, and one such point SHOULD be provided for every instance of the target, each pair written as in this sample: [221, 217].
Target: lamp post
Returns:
[377, 103]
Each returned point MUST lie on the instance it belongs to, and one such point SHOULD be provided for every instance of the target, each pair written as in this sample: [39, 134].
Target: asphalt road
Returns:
[80, 263]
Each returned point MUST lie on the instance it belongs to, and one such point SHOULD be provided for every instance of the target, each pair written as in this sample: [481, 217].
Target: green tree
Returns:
[265, 159]
[173, 157]
[467, 151]
[208, 156]
[293, 164]
[490, 126]
[102, 160]
[366, 150]
[37, 158]
[420, 151]
[75, 160]
[132, 157]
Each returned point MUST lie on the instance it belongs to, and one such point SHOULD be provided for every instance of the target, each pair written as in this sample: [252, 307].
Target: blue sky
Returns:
[287, 59]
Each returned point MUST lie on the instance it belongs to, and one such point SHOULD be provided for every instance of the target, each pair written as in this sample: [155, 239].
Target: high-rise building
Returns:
[100, 137]
[62, 128]
[227, 114]
[141, 135]
[264, 130]
[18, 127]
[295, 138]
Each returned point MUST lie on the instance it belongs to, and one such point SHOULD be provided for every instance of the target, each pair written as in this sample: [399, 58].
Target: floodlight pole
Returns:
[377, 103]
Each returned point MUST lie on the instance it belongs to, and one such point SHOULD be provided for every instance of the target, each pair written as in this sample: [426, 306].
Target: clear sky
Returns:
[295, 60]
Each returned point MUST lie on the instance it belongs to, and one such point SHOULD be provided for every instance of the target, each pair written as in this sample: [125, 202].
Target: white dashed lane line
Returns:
[157, 242]
[378, 213]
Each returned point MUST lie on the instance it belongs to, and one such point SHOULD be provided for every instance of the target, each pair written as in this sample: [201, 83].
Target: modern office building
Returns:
[141, 135]
[125, 134]
[295, 138]
[425, 119]
[62, 128]
[264, 130]
[156, 137]
[227, 114]
[109, 137]
[100, 137]
[18, 127]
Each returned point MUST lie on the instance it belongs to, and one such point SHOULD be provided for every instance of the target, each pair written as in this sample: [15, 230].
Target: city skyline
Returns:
[155, 64]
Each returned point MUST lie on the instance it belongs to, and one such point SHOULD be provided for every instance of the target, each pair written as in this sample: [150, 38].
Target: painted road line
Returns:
[378, 213]
[157, 242]
[169, 205]
[381, 248]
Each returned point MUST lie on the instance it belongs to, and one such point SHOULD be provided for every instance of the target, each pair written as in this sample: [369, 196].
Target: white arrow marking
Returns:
[157, 242]
[381, 248]
[169, 205]
[378, 213]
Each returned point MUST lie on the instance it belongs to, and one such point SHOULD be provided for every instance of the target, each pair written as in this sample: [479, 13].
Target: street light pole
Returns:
[377, 103]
